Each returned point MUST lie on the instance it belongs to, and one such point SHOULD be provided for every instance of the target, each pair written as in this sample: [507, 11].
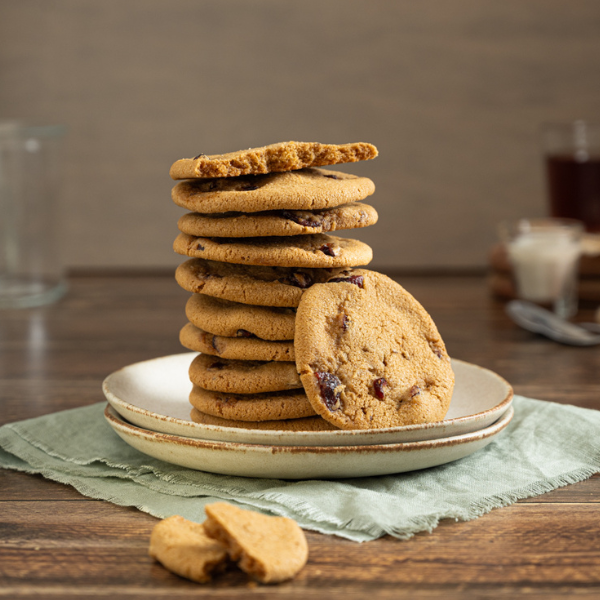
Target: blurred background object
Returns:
[543, 255]
[31, 167]
[452, 93]
[572, 155]
[502, 281]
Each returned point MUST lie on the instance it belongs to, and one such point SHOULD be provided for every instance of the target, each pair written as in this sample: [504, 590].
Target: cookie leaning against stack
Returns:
[370, 356]
[257, 238]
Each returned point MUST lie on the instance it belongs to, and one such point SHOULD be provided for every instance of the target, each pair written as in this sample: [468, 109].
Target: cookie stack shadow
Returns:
[257, 234]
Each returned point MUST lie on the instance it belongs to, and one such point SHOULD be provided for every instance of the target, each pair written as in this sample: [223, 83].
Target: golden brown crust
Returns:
[243, 376]
[257, 285]
[308, 189]
[370, 356]
[278, 223]
[283, 156]
[184, 548]
[291, 404]
[317, 251]
[304, 424]
[271, 549]
[242, 348]
[233, 319]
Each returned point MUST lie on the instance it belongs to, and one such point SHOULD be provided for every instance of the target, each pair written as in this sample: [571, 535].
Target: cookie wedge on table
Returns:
[283, 156]
[369, 355]
[184, 548]
[271, 549]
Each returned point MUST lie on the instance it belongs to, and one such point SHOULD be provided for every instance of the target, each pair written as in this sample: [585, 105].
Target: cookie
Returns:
[184, 548]
[309, 189]
[270, 406]
[370, 356]
[284, 156]
[278, 223]
[316, 251]
[233, 319]
[265, 286]
[305, 424]
[239, 348]
[270, 549]
[243, 376]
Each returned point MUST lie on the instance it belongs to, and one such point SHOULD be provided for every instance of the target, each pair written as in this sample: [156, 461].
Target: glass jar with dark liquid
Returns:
[572, 154]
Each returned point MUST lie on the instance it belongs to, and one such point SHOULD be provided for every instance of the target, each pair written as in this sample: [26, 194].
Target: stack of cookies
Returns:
[258, 237]
[291, 335]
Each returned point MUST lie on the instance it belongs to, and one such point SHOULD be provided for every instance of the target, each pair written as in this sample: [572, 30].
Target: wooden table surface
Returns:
[56, 543]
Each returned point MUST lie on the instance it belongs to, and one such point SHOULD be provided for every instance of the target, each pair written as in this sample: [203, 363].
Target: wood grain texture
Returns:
[55, 543]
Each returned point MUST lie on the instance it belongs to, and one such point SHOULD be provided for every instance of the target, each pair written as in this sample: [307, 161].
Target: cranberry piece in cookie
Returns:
[329, 386]
[328, 249]
[354, 279]
[244, 333]
[379, 386]
[299, 279]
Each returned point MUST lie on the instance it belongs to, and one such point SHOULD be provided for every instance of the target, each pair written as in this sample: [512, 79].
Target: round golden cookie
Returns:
[279, 222]
[260, 286]
[309, 189]
[304, 424]
[283, 156]
[316, 251]
[238, 348]
[268, 406]
[233, 319]
[243, 376]
[370, 356]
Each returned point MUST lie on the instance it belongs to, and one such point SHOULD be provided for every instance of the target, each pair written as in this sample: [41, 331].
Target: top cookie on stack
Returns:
[257, 235]
[284, 156]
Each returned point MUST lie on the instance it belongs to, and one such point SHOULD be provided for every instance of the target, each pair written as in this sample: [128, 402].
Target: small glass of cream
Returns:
[544, 255]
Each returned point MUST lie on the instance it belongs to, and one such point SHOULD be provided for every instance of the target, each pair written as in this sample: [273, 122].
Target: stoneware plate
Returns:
[154, 395]
[302, 462]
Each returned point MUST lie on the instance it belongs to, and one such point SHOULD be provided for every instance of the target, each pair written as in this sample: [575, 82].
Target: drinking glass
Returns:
[31, 270]
[544, 254]
[572, 157]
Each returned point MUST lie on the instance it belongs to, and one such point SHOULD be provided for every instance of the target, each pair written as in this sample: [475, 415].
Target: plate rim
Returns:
[116, 420]
[498, 409]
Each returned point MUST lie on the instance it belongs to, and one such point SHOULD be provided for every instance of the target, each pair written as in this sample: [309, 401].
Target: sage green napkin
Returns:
[546, 446]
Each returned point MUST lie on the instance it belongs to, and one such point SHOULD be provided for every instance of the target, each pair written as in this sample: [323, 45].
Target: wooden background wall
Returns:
[452, 93]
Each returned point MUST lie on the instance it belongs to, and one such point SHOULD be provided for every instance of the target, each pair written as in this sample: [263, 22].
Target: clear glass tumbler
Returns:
[31, 269]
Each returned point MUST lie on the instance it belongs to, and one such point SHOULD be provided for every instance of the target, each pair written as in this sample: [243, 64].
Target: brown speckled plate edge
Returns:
[302, 462]
[170, 412]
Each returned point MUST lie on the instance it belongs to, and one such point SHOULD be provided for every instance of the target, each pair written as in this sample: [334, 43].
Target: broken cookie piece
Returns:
[270, 549]
[284, 156]
[183, 547]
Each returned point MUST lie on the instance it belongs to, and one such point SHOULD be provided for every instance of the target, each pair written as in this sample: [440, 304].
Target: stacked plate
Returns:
[149, 409]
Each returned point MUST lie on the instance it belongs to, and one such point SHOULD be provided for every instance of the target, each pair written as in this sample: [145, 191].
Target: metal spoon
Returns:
[539, 320]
